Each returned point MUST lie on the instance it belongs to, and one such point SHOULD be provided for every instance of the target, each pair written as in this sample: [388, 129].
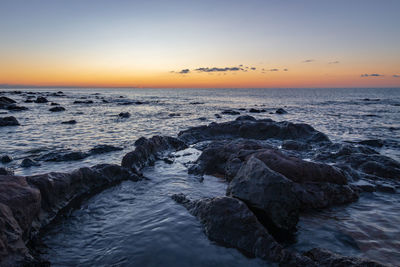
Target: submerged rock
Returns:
[14, 107]
[83, 102]
[69, 122]
[230, 112]
[6, 159]
[100, 149]
[57, 109]
[372, 142]
[280, 111]
[8, 121]
[63, 156]
[26, 163]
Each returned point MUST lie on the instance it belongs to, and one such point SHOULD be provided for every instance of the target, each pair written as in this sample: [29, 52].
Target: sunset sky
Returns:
[350, 43]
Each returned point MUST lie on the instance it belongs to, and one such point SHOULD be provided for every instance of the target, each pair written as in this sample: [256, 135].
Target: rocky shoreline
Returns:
[275, 171]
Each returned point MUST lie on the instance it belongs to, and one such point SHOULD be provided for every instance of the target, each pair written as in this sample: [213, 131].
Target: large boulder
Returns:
[268, 193]
[5, 102]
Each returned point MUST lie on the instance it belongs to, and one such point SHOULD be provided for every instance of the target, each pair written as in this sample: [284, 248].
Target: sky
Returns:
[196, 44]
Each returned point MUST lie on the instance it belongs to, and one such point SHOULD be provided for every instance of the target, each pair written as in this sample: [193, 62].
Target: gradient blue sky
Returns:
[139, 43]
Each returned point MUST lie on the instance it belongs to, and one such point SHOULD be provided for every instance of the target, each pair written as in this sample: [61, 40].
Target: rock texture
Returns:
[8, 121]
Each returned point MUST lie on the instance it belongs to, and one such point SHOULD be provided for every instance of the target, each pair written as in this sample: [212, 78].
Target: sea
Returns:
[137, 223]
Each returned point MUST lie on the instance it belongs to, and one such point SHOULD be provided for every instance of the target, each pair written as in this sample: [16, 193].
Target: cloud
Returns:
[253, 68]
[308, 60]
[285, 70]
[396, 76]
[215, 69]
[184, 71]
[371, 75]
[334, 62]
[274, 70]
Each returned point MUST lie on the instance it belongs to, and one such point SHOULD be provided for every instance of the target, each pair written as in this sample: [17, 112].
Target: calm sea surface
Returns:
[138, 224]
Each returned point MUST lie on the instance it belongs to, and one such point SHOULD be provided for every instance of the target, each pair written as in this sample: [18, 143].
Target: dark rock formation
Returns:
[372, 142]
[63, 156]
[83, 102]
[147, 151]
[27, 204]
[124, 114]
[14, 107]
[6, 159]
[69, 122]
[5, 102]
[100, 149]
[280, 111]
[248, 127]
[26, 163]
[8, 121]
[254, 110]
[5, 171]
[295, 145]
[230, 112]
[54, 104]
[57, 109]
[41, 99]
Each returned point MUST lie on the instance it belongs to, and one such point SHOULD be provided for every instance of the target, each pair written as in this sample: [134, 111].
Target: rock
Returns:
[217, 116]
[83, 102]
[174, 115]
[245, 118]
[202, 119]
[253, 110]
[54, 104]
[26, 163]
[5, 171]
[41, 99]
[69, 122]
[295, 145]
[8, 121]
[27, 204]
[280, 111]
[267, 193]
[372, 142]
[147, 151]
[230, 112]
[57, 109]
[14, 107]
[5, 102]
[124, 114]
[6, 159]
[326, 258]
[100, 149]
[63, 156]
[253, 129]
[196, 103]
[229, 222]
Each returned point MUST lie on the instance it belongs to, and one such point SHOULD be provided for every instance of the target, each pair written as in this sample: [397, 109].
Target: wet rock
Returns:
[69, 122]
[14, 107]
[5, 171]
[280, 111]
[326, 258]
[174, 115]
[229, 222]
[27, 204]
[100, 149]
[124, 114]
[267, 192]
[54, 104]
[6, 159]
[202, 119]
[8, 121]
[83, 102]
[63, 156]
[230, 112]
[217, 116]
[253, 110]
[245, 118]
[26, 163]
[41, 99]
[253, 129]
[147, 151]
[5, 102]
[57, 109]
[196, 103]
[295, 145]
[372, 142]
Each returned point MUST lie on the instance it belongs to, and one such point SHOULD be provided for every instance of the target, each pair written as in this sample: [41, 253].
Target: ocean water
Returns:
[138, 224]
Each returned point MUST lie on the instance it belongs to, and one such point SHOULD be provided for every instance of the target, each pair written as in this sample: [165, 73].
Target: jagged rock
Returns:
[268, 192]
[57, 109]
[147, 151]
[8, 121]
[41, 99]
[100, 149]
[27, 204]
